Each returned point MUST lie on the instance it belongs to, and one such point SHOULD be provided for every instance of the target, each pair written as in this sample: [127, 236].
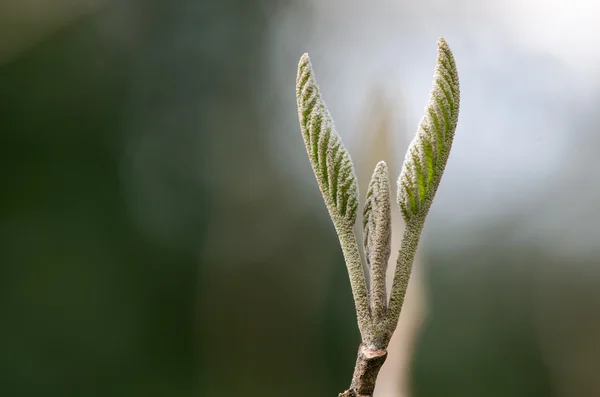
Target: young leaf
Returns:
[330, 161]
[428, 152]
[377, 227]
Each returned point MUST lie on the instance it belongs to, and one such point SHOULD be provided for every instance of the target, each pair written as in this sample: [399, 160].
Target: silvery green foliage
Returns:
[428, 152]
[330, 160]
[420, 177]
[377, 234]
[333, 168]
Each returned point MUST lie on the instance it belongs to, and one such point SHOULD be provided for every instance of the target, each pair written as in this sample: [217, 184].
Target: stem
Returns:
[357, 278]
[406, 256]
[368, 364]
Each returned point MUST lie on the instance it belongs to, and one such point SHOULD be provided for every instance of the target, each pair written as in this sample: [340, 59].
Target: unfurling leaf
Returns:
[428, 152]
[330, 161]
[377, 217]
[377, 227]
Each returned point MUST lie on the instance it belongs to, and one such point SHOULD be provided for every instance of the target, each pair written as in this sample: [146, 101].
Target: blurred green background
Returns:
[161, 233]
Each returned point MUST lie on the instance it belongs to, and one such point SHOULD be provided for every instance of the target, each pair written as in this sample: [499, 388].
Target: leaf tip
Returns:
[305, 72]
[304, 60]
[381, 167]
[380, 175]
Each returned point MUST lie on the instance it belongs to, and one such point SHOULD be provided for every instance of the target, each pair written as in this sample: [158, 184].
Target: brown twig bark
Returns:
[368, 364]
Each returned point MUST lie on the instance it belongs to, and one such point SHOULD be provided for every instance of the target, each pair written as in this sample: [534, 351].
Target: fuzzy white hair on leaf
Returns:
[330, 160]
[377, 234]
[428, 152]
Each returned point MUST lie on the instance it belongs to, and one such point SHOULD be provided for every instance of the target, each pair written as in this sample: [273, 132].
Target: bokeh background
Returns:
[162, 234]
